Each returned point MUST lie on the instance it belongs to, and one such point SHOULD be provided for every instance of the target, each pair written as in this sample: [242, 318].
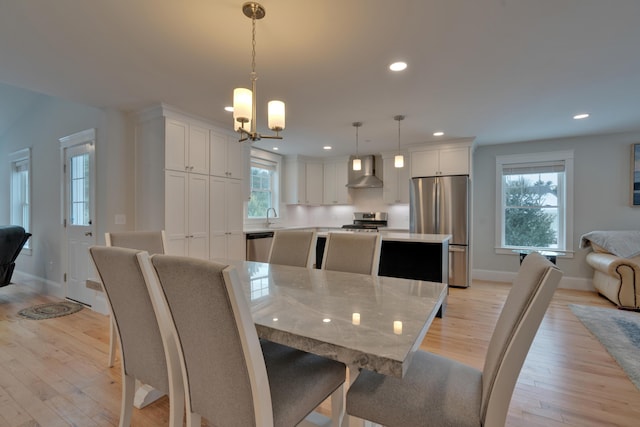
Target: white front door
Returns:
[79, 191]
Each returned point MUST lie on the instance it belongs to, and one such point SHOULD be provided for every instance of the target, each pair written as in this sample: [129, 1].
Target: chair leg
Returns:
[128, 391]
[112, 342]
[193, 419]
[337, 406]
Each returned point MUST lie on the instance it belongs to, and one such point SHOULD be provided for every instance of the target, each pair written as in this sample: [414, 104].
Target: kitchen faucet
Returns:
[275, 214]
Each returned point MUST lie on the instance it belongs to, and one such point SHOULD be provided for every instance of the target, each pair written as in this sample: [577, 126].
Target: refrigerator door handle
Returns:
[436, 204]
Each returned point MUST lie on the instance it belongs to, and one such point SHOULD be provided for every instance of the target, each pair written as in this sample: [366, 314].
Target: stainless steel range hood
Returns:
[365, 178]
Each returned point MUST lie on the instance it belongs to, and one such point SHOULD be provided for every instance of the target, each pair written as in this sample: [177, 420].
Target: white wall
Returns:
[39, 126]
[602, 178]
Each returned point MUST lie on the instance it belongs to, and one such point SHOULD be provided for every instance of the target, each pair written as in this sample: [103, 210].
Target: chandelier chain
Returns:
[253, 47]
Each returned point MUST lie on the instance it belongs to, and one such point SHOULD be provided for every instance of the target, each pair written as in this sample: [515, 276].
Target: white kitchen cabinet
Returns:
[303, 181]
[186, 147]
[336, 175]
[187, 214]
[177, 199]
[227, 155]
[395, 187]
[441, 160]
[226, 218]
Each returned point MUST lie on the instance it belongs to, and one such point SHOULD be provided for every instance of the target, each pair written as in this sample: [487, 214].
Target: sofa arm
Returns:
[609, 263]
[623, 283]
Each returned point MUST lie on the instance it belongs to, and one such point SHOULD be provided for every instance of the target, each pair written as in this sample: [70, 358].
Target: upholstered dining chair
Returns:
[231, 378]
[142, 351]
[438, 391]
[153, 242]
[293, 247]
[352, 253]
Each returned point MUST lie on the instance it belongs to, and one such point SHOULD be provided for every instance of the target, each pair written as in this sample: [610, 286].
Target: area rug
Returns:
[619, 333]
[50, 310]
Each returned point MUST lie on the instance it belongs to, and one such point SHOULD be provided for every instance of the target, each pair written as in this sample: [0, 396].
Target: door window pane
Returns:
[79, 190]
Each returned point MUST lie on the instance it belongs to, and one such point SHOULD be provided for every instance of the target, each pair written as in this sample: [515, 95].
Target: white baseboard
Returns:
[39, 284]
[575, 283]
[49, 287]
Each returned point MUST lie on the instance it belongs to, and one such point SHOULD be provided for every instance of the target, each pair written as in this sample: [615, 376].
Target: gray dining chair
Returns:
[293, 247]
[352, 253]
[438, 391]
[154, 242]
[231, 378]
[142, 352]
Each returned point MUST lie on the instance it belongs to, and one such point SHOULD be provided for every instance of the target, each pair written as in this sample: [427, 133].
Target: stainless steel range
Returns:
[367, 221]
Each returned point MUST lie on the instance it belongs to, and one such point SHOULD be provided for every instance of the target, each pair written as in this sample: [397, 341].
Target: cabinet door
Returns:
[234, 202]
[236, 246]
[314, 183]
[404, 183]
[218, 163]
[176, 149]
[342, 178]
[424, 163]
[235, 161]
[329, 194]
[198, 150]
[454, 161]
[198, 216]
[175, 212]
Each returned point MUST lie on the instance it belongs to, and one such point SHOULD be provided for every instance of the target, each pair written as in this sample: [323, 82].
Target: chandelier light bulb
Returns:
[276, 115]
[242, 102]
[398, 160]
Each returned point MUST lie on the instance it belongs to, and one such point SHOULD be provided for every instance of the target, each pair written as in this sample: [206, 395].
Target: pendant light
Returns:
[357, 163]
[398, 160]
[244, 100]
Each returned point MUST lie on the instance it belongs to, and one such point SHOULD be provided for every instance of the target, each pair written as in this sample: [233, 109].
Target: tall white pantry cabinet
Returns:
[179, 190]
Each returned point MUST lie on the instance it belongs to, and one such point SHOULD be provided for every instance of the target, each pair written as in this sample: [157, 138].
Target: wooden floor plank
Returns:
[53, 372]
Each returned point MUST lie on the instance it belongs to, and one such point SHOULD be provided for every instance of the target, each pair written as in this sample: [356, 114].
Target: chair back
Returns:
[12, 239]
[221, 359]
[143, 355]
[352, 253]
[517, 325]
[153, 242]
[293, 247]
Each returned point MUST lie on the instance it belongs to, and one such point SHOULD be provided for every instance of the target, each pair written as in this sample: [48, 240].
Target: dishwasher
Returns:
[259, 245]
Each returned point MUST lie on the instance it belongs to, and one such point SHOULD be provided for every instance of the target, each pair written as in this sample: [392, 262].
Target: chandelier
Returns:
[244, 100]
[398, 161]
[357, 163]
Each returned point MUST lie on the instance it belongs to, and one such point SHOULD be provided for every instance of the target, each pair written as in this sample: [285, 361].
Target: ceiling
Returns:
[495, 70]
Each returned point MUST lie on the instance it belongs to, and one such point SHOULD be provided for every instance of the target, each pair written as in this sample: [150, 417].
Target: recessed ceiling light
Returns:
[275, 148]
[438, 133]
[581, 116]
[327, 147]
[398, 66]
[228, 108]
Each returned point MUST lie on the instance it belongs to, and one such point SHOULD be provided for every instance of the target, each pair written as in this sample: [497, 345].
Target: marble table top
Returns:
[375, 323]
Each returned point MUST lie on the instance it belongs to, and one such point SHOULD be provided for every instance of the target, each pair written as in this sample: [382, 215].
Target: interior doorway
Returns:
[78, 165]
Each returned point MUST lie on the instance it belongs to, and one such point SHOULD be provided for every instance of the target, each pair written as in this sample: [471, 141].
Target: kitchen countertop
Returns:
[397, 235]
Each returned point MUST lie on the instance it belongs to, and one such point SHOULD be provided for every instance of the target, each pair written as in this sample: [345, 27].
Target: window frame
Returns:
[565, 206]
[15, 158]
[261, 156]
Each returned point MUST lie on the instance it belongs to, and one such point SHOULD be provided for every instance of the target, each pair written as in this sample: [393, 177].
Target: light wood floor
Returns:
[53, 372]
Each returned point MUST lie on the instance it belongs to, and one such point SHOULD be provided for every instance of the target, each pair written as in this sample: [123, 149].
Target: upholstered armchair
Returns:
[615, 259]
[12, 239]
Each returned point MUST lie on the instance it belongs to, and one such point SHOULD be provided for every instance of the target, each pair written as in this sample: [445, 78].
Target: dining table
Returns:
[366, 322]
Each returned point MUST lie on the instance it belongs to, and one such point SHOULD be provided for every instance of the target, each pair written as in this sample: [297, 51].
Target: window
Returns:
[20, 194]
[263, 184]
[535, 202]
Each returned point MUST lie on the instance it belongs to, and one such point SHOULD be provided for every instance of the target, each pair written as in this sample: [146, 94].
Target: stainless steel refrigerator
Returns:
[440, 205]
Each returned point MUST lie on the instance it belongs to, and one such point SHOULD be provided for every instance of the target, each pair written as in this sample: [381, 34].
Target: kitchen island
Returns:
[407, 255]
